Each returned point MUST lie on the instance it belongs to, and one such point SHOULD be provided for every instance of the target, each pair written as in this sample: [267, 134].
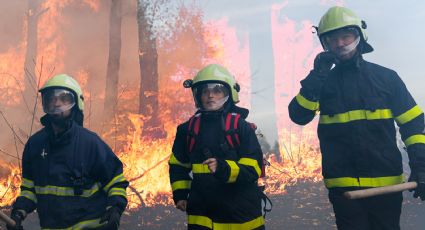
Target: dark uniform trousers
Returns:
[373, 213]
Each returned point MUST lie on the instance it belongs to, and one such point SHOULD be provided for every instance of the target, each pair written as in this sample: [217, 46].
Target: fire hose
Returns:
[358, 194]
[7, 219]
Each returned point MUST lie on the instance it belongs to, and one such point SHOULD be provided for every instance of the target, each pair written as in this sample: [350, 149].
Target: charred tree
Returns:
[148, 61]
[112, 73]
[32, 16]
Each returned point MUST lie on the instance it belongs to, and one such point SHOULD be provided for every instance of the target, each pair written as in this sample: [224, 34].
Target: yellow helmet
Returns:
[338, 17]
[214, 73]
[64, 81]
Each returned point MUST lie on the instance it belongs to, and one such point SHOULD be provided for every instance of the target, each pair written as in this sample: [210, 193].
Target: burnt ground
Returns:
[305, 206]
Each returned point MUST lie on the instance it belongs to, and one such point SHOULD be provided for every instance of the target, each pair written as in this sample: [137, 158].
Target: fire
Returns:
[146, 167]
[10, 180]
[11, 71]
[145, 159]
[294, 50]
[298, 159]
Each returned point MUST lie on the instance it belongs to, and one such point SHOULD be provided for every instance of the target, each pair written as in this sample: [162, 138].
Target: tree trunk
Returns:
[111, 90]
[148, 61]
[263, 86]
[31, 52]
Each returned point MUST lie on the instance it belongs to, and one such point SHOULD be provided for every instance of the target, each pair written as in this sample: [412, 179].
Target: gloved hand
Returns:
[323, 63]
[182, 205]
[418, 177]
[18, 216]
[312, 84]
[112, 217]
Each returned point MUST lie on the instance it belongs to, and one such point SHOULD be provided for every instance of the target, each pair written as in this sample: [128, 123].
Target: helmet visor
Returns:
[210, 96]
[346, 36]
[57, 101]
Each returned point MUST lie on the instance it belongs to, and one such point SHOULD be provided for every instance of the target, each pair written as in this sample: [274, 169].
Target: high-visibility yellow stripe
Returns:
[29, 195]
[208, 223]
[27, 183]
[87, 224]
[117, 192]
[415, 139]
[251, 162]
[253, 224]
[408, 115]
[234, 171]
[181, 184]
[307, 104]
[200, 220]
[116, 179]
[356, 115]
[65, 191]
[173, 161]
[363, 181]
[200, 168]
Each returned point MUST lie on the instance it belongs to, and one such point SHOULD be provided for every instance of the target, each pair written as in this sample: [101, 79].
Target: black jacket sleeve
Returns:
[180, 167]
[305, 105]
[410, 119]
[27, 199]
[108, 170]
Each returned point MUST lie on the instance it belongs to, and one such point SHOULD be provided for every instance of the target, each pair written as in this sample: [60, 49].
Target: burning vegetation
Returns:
[72, 36]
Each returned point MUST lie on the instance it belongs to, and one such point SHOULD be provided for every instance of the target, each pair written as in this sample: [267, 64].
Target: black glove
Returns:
[323, 63]
[18, 216]
[312, 84]
[112, 217]
[419, 178]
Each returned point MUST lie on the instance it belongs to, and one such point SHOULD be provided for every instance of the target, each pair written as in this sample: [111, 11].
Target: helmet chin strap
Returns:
[347, 49]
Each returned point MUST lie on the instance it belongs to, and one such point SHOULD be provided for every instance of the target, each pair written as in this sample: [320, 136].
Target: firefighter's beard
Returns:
[61, 120]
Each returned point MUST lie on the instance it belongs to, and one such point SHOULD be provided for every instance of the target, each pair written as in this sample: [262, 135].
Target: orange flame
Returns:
[145, 160]
[9, 184]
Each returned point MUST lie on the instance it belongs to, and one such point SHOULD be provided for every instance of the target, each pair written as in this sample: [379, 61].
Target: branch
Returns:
[20, 89]
[11, 128]
[150, 169]
[8, 154]
[137, 194]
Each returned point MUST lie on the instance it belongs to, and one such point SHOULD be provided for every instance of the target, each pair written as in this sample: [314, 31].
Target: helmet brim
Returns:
[367, 48]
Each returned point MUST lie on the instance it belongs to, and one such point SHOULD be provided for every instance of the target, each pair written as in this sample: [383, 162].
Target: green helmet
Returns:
[218, 74]
[338, 17]
[65, 81]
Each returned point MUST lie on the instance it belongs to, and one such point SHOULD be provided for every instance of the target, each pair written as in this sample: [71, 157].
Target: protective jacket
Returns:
[229, 198]
[70, 179]
[358, 103]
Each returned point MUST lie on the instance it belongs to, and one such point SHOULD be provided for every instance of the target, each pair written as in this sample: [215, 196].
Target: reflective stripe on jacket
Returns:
[49, 184]
[359, 103]
[228, 198]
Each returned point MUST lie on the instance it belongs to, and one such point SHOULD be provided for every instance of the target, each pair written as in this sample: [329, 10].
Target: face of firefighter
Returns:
[343, 43]
[213, 96]
[58, 103]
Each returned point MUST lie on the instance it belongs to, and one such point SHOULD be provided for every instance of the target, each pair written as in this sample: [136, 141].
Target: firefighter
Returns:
[358, 103]
[69, 175]
[216, 158]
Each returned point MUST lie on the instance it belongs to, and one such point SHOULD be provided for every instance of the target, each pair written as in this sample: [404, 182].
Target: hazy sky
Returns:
[394, 30]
